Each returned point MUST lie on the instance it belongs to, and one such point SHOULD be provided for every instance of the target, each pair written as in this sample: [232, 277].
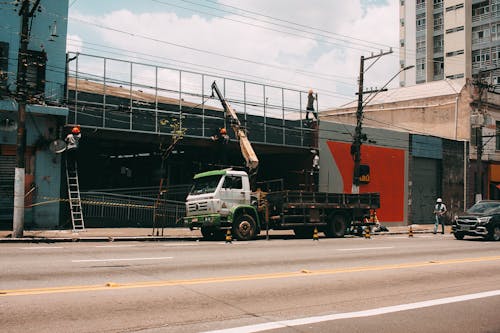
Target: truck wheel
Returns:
[336, 226]
[459, 235]
[494, 233]
[244, 227]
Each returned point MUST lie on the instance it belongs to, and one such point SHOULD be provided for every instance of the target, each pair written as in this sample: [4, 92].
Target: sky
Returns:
[300, 45]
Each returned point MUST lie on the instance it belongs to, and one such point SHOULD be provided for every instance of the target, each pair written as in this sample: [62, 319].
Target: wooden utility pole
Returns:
[22, 97]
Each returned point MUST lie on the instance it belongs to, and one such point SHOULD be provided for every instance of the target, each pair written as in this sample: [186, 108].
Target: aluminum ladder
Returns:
[75, 203]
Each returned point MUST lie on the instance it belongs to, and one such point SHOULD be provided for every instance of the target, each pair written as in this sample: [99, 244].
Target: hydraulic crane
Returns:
[252, 162]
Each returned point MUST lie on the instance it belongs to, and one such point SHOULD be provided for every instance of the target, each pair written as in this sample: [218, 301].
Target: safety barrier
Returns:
[117, 209]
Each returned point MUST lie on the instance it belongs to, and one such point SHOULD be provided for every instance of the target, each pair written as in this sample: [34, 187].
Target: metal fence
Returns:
[130, 96]
[118, 210]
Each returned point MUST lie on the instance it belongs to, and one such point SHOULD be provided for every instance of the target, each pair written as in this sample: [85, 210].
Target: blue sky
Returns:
[299, 44]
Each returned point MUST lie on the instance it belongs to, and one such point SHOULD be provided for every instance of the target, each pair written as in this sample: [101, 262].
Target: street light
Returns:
[358, 137]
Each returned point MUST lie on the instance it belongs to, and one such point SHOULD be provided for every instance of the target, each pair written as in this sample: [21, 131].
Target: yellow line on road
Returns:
[302, 273]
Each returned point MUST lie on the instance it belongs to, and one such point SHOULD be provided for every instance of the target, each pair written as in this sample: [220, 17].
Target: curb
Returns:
[142, 238]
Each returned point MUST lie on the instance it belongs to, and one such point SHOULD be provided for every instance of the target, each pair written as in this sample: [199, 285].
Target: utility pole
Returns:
[22, 97]
[358, 135]
[479, 139]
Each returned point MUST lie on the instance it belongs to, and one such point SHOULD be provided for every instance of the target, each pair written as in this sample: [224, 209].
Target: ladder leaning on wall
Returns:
[75, 203]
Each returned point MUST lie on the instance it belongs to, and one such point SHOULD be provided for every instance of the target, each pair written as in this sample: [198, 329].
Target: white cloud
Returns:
[75, 44]
[334, 69]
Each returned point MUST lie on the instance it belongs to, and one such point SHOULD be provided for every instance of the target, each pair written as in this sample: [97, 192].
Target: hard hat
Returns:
[223, 131]
[75, 130]
[439, 200]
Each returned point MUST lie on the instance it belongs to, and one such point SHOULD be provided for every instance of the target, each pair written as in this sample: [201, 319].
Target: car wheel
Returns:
[459, 235]
[494, 233]
[244, 227]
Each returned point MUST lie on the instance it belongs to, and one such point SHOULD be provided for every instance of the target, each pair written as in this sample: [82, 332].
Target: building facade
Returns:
[45, 113]
[449, 39]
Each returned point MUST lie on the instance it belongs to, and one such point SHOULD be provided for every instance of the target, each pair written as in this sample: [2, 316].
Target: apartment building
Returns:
[449, 39]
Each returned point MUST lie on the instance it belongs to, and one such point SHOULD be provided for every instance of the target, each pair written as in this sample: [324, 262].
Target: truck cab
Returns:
[220, 200]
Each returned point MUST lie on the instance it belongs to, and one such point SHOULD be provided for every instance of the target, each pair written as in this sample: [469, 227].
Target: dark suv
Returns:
[482, 219]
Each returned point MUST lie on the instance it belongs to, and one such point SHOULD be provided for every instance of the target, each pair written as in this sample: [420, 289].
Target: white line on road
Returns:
[115, 246]
[367, 248]
[120, 259]
[41, 247]
[356, 314]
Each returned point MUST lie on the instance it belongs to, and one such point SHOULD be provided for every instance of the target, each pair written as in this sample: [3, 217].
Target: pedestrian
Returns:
[72, 142]
[439, 214]
[311, 97]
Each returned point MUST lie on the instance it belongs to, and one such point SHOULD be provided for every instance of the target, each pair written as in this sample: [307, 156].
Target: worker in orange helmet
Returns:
[72, 142]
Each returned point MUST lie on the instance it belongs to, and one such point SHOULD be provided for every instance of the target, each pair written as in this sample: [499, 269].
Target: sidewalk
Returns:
[146, 234]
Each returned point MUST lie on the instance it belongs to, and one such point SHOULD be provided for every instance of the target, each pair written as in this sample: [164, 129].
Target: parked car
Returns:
[482, 219]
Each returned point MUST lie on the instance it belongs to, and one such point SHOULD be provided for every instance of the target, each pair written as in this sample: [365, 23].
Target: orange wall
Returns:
[387, 176]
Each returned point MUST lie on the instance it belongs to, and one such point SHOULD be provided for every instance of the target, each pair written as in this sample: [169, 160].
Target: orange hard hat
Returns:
[75, 130]
[223, 131]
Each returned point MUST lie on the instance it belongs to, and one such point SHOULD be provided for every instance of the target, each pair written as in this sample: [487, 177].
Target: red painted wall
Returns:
[387, 176]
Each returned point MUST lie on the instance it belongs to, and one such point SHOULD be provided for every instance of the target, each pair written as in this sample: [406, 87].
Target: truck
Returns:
[222, 200]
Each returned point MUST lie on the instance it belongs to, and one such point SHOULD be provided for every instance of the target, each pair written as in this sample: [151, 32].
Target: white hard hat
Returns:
[439, 200]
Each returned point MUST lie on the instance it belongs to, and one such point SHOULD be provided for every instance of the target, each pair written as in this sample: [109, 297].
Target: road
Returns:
[428, 283]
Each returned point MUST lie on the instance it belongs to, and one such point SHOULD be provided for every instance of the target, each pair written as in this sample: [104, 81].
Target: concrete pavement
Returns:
[146, 234]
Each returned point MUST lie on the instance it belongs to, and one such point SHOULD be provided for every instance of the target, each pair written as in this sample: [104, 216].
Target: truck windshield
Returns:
[206, 184]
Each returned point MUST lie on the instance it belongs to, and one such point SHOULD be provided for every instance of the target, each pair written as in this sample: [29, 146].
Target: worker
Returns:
[311, 97]
[315, 170]
[72, 143]
[439, 215]
[221, 136]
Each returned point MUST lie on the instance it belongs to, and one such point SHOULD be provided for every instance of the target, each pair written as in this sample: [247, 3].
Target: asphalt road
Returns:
[428, 283]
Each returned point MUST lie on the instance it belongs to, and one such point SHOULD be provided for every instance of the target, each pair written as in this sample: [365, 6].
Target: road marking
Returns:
[356, 314]
[366, 248]
[112, 246]
[303, 273]
[41, 247]
[120, 259]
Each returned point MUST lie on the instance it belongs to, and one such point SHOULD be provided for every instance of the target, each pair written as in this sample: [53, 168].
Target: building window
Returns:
[402, 43]
[455, 76]
[420, 4]
[420, 45]
[35, 73]
[460, 5]
[438, 66]
[454, 53]
[402, 2]
[457, 29]
[420, 19]
[481, 34]
[420, 68]
[438, 21]
[402, 22]
[438, 43]
[438, 4]
[4, 66]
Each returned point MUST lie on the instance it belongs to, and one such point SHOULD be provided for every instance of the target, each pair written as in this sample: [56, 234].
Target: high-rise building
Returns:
[449, 39]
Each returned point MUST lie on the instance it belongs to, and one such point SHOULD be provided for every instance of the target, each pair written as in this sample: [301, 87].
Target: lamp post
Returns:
[359, 137]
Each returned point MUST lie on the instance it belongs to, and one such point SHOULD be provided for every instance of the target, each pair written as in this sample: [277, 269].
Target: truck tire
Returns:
[244, 227]
[459, 235]
[336, 226]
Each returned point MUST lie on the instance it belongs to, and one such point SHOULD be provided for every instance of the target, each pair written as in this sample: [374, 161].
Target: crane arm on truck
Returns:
[252, 162]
